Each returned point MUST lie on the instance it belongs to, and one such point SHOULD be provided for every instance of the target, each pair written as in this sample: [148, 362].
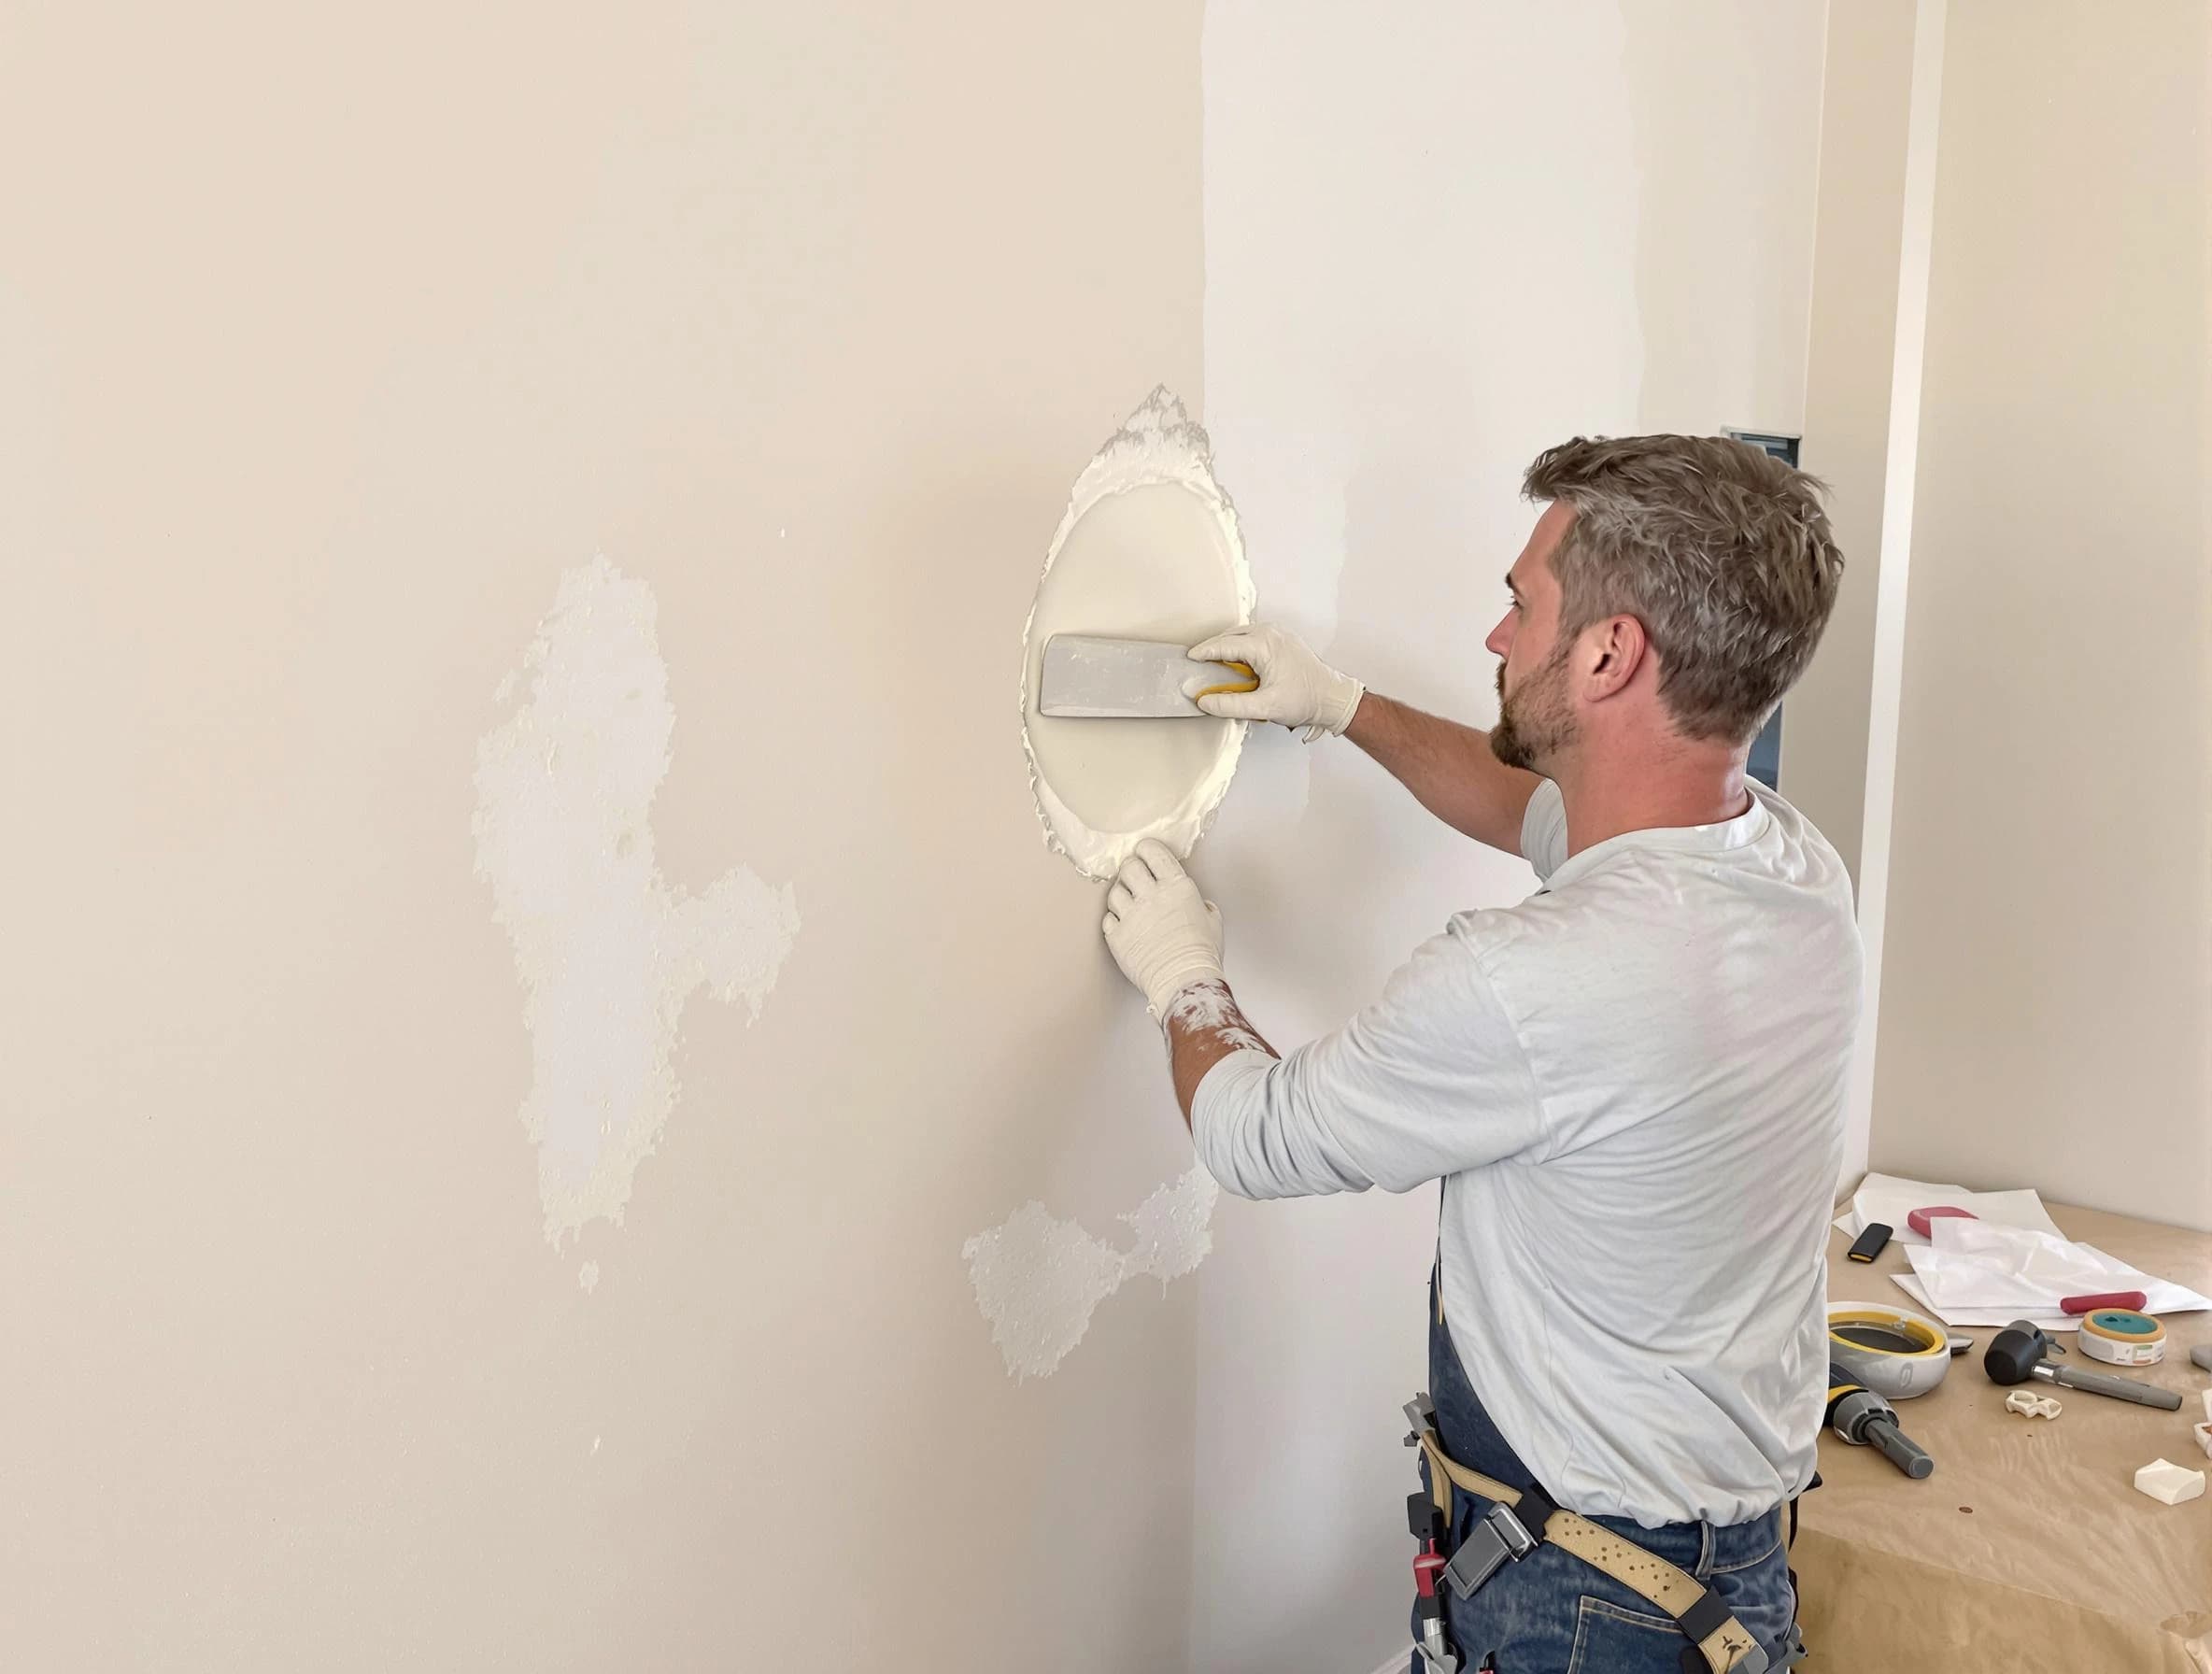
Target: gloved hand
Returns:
[1295, 687]
[1162, 932]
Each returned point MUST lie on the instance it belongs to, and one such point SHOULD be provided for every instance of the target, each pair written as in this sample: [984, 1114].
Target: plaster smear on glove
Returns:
[1148, 548]
[1037, 1279]
[607, 952]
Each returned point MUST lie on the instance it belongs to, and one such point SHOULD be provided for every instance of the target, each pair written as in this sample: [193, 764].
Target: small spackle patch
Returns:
[1037, 1279]
[587, 1277]
[606, 950]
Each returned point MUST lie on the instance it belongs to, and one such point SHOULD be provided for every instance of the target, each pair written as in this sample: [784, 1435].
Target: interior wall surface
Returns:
[1435, 243]
[1864, 106]
[2049, 969]
[330, 343]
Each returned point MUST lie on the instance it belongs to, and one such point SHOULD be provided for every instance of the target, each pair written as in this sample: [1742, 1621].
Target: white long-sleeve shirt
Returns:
[1632, 1086]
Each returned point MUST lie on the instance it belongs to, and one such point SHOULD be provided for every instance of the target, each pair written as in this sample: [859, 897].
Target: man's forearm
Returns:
[1203, 1026]
[1449, 769]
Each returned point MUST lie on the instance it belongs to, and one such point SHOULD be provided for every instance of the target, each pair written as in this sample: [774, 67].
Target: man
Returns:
[1631, 1084]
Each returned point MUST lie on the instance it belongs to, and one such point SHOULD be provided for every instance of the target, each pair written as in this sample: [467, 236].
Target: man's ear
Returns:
[1616, 649]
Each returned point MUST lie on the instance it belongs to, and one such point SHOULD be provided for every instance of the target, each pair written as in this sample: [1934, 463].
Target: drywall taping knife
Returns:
[1087, 676]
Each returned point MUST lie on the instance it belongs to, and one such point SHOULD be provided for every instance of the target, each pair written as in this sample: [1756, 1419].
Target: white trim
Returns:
[1922, 128]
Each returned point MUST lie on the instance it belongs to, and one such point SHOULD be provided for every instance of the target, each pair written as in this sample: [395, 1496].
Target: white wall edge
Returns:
[1900, 478]
[1812, 260]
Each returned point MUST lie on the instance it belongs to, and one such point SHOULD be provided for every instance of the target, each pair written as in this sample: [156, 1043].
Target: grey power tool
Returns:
[1864, 1419]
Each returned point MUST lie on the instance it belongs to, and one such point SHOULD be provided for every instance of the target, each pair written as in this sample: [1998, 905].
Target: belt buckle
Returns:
[1500, 1537]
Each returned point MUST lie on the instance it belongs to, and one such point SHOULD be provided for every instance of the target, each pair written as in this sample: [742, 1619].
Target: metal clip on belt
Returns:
[1499, 1537]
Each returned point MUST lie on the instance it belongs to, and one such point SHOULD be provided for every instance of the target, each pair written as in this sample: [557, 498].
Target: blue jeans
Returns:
[1553, 1613]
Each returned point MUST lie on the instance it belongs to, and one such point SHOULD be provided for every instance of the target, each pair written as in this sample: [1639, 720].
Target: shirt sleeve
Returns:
[1429, 1080]
[1543, 830]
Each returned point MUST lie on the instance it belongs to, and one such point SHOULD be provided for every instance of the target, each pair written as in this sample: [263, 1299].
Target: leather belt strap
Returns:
[1643, 1572]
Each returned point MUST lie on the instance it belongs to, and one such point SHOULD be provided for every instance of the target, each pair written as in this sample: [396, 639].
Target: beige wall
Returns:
[2049, 972]
[327, 342]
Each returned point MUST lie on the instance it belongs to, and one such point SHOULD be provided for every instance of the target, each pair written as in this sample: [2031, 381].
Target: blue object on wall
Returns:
[1765, 764]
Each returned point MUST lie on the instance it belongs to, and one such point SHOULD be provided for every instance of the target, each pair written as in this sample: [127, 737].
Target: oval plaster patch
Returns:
[1148, 548]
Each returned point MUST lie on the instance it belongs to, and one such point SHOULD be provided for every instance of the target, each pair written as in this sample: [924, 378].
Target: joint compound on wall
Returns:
[1148, 548]
[1037, 1278]
[606, 951]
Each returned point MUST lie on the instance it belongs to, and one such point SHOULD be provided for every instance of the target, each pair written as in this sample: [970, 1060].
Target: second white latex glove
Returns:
[1162, 932]
[1295, 687]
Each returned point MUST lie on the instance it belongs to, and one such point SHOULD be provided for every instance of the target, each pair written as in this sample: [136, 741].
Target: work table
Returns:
[2029, 1548]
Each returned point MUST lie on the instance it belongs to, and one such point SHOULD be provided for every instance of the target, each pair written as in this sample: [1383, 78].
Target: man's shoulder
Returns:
[1790, 820]
[1536, 927]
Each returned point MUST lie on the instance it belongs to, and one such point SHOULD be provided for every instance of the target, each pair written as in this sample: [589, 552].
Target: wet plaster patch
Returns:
[1039, 1279]
[1149, 548]
[607, 951]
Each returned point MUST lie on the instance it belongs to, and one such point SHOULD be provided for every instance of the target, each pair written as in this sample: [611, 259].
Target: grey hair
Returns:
[1720, 551]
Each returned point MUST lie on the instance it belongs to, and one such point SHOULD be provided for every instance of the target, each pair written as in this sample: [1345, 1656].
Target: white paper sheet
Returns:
[2051, 1323]
[1982, 1273]
[1890, 1199]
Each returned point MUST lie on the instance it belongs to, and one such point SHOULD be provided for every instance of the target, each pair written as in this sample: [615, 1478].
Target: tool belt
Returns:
[1522, 1519]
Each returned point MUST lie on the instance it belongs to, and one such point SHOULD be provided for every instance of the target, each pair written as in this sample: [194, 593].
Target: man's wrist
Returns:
[1336, 712]
[1350, 707]
[1162, 993]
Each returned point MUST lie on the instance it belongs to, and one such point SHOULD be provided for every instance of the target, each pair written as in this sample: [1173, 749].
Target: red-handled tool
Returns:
[2104, 1299]
[1427, 1525]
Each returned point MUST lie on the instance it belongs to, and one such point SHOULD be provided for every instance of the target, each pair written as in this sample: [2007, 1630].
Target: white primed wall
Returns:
[1432, 248]
[1850, 357]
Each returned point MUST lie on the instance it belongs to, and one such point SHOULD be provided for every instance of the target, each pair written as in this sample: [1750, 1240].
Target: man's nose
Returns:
[1501, 636]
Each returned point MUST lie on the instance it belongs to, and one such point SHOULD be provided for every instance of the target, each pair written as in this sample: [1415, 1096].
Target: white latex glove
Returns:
[1162, 932]
[1295, 687]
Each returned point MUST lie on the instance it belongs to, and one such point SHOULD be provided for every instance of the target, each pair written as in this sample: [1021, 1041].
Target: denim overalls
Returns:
[1553, 1613]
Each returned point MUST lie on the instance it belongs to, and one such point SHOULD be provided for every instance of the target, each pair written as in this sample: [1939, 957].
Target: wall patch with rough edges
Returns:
[1148, 548]
[1037, 1278]
[607, 952]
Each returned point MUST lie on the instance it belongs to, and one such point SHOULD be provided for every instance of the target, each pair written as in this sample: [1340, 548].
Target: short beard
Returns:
[1536, 724]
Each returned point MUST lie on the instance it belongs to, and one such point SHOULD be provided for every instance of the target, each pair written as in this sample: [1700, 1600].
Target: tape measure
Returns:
[2122, 1336]
[1895, 1351]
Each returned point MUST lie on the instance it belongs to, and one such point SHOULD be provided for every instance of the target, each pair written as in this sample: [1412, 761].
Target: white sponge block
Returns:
[2168, 1483]
[2202, 1432]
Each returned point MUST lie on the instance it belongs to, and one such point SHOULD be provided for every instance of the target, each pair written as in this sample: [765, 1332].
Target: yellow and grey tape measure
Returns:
[1895, 1351]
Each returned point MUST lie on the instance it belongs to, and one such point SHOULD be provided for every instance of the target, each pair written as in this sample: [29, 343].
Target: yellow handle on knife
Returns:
[1251, 681]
